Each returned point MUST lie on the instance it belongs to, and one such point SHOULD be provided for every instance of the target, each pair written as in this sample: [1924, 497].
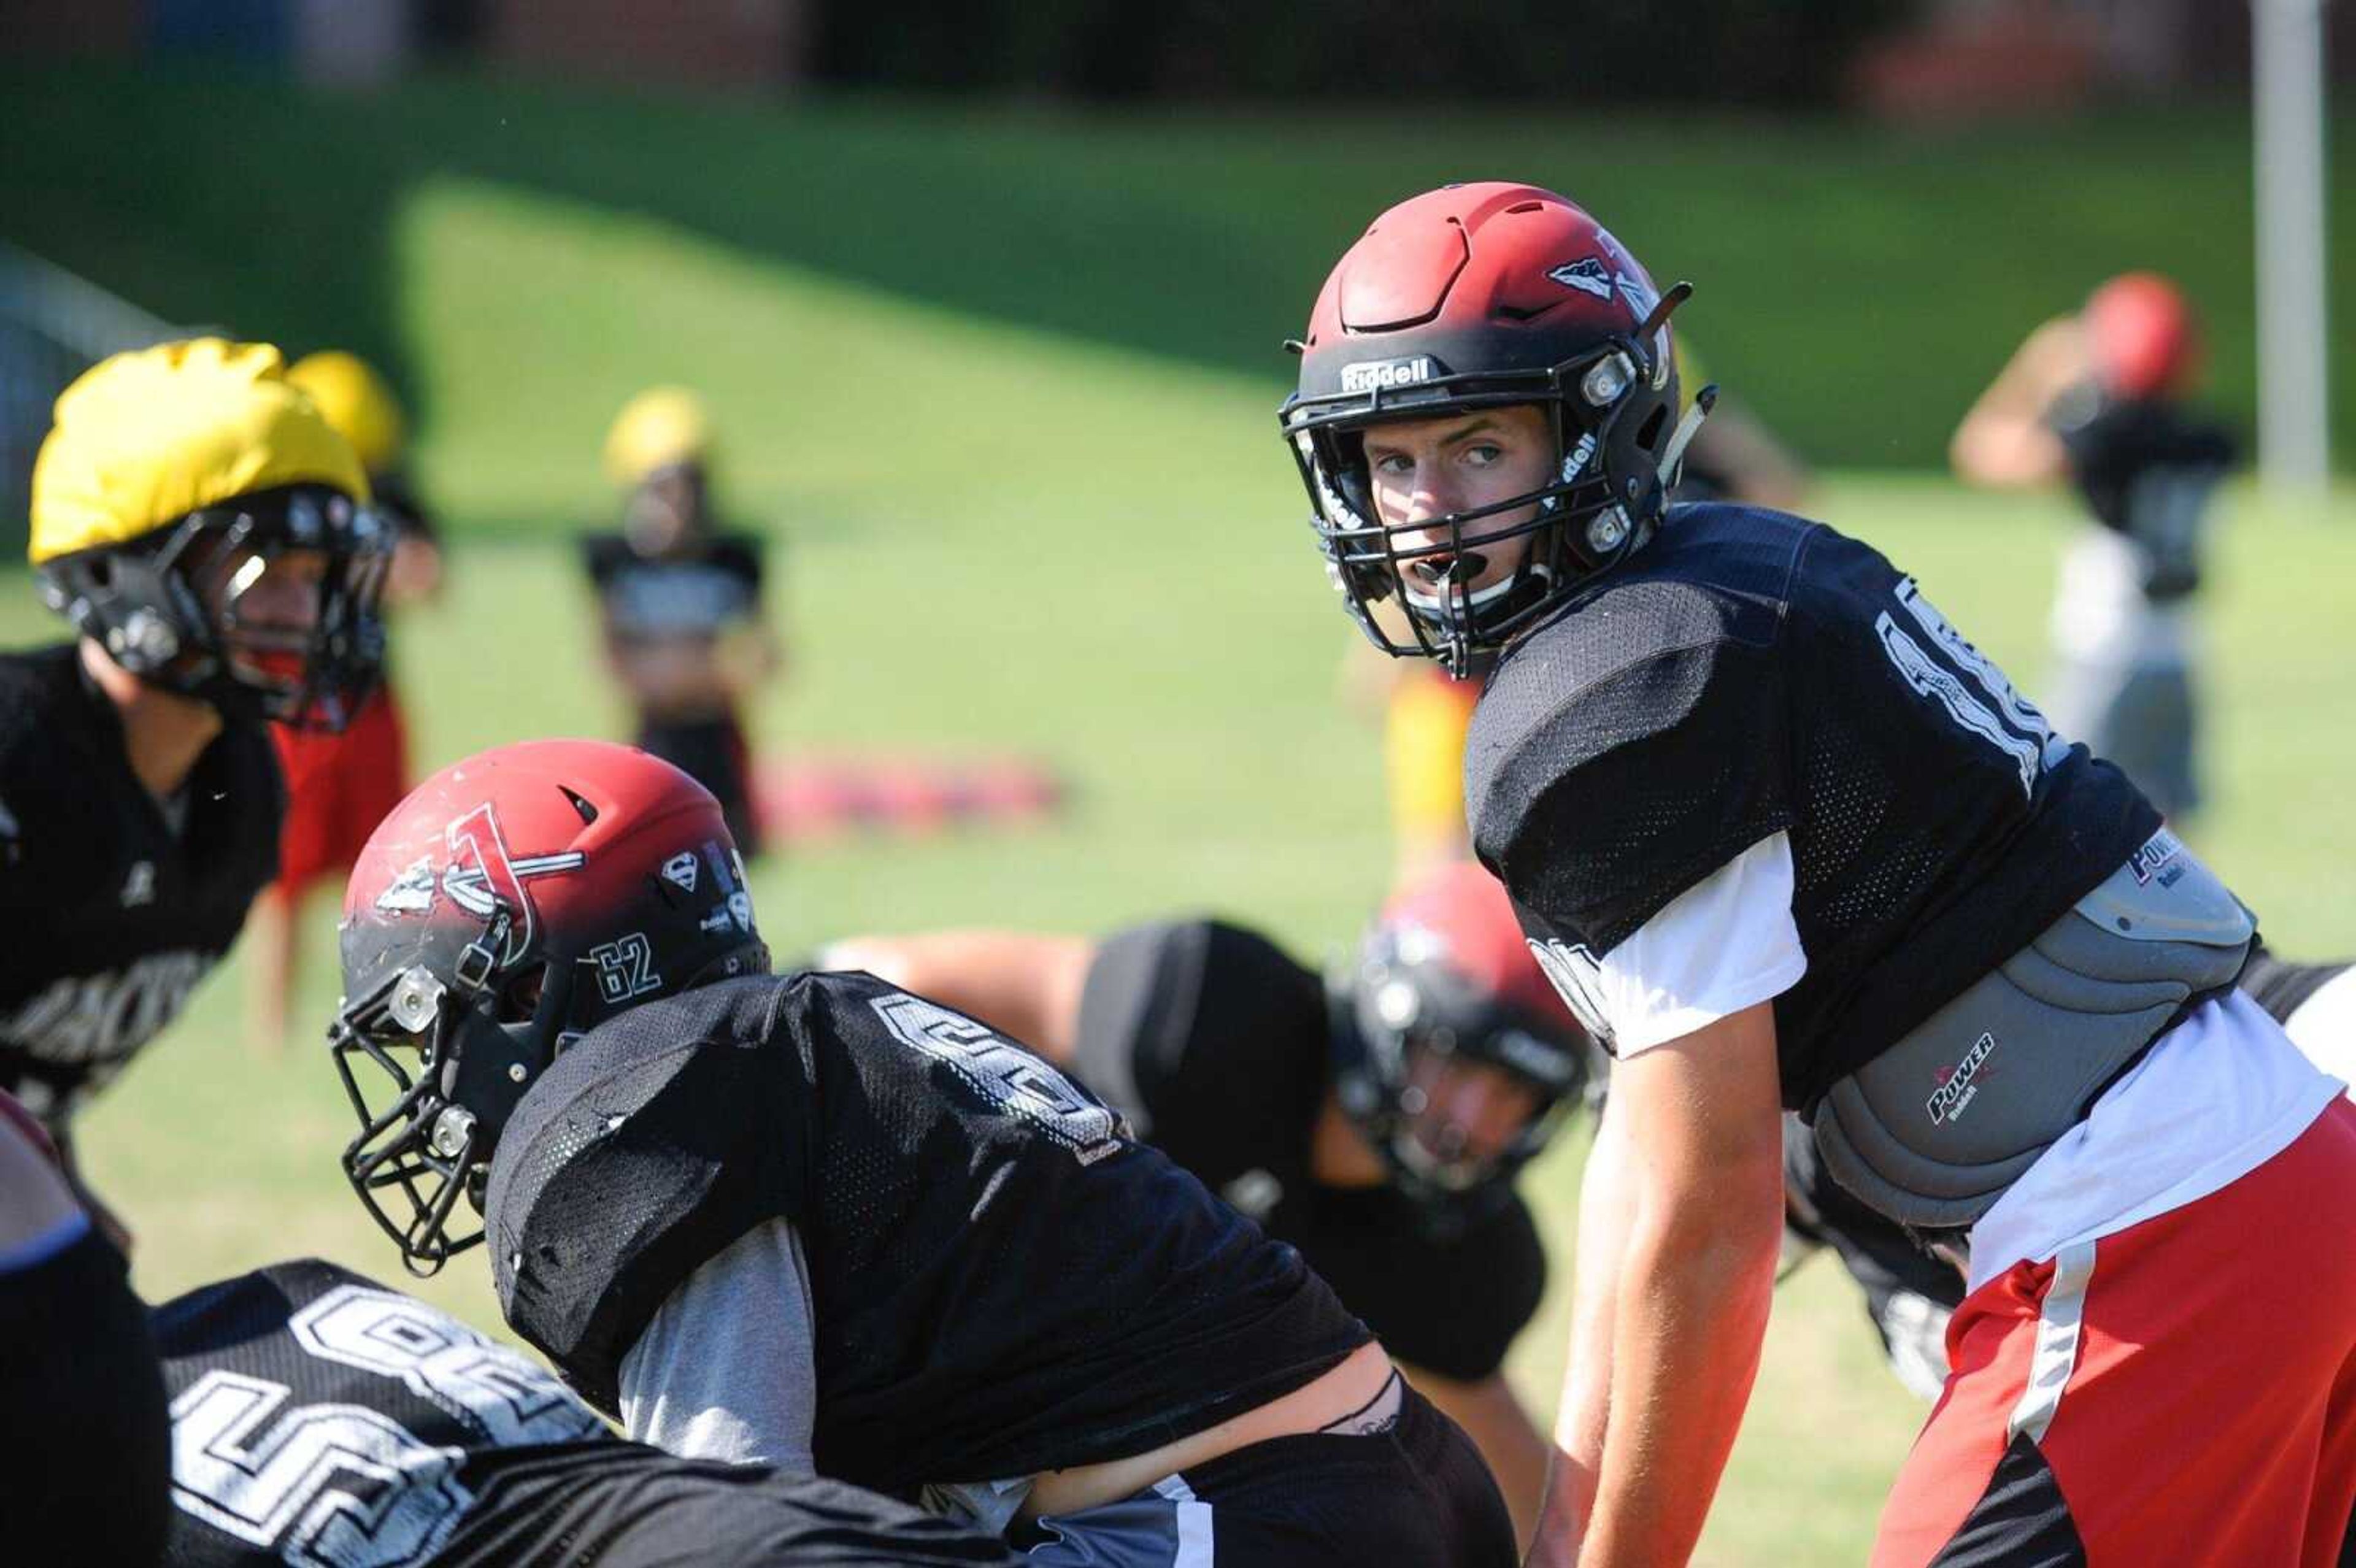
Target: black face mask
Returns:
[180, 612]
[431, 1076]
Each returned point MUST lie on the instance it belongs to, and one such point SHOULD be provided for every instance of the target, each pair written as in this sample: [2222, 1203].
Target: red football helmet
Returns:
[2144, 341]
[514, 901]
[1478, 296]
[1445, 971]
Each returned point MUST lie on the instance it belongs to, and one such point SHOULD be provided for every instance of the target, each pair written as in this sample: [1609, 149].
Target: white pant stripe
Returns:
[2061, 1323]
[1192, 1517]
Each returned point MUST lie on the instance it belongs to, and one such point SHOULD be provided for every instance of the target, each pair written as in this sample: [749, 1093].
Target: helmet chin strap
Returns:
[1688, 428]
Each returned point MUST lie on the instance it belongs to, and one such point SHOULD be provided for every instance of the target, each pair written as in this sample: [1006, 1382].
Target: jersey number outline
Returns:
[1578, 979]
[342, 1485]
[1002, 1072]
[1997, 712]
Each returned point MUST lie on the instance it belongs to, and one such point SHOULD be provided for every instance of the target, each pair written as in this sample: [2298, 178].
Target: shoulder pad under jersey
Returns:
[651, 1146]
[1635, 743]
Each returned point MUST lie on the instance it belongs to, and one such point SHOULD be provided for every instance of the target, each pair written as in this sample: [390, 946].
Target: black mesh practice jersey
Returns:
[319, 1418]
[697, 590]
[113, 912]
[1749, 673]
[1217, 1045]
[1003, 1280]
[2146, 470]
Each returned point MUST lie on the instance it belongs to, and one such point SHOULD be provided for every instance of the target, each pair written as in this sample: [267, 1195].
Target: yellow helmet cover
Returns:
[357, 402]
[144, 438]
[660, 428]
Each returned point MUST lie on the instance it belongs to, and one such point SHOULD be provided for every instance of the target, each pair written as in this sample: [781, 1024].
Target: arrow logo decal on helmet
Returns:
[1588, 275]
[481, 876]
[411, 892]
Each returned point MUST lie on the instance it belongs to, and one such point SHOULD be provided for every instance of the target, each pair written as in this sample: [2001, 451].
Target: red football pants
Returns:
[2181, 1392]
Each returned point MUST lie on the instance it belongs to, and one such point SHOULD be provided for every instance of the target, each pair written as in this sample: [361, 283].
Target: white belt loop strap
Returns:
[1192, 1517]
[2061, 1323]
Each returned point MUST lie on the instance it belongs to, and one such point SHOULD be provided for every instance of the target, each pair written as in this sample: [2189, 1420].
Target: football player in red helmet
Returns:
[2102, 401]
[815, 1221]
[1556, 385]
[1785, 839]
[510, 904]
[1390, 1104]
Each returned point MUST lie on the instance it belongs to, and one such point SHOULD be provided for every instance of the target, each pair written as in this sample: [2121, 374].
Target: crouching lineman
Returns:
[1787, 840]
[1377, 1124]
[318, 1417]
[818, 1223]
[206, 532]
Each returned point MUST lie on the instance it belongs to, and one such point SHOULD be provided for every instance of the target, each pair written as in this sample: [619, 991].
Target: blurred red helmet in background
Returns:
[2145, 339]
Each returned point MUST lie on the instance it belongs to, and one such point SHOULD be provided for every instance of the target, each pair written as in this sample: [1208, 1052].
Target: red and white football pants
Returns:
[2181, 1392]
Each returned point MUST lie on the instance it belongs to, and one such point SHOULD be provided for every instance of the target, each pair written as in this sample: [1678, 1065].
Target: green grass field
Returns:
[1856, 283]
[1004, 529]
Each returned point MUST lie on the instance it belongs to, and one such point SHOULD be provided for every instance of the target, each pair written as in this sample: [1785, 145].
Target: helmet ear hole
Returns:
[519, 997]
[1349, 460]
[1648, 434]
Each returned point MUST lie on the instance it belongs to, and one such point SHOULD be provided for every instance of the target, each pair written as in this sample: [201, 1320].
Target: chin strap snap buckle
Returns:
[480, 958]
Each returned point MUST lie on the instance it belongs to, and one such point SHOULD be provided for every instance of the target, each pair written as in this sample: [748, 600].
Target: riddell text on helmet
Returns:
[1368, 374]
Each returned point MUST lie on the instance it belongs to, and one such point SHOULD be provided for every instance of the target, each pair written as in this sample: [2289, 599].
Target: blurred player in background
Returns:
[83, 1436]
[816, 1221]
[2098, 399]
[1426, 708]
[339, 786]
[1376, 1121]
[679, 601]
[204, 531]
[318, 1417]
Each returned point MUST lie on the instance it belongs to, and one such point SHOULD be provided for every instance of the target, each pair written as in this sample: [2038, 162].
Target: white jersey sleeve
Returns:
[1725, 943]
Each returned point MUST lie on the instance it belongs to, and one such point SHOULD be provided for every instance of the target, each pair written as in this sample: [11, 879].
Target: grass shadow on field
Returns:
[1856, 283]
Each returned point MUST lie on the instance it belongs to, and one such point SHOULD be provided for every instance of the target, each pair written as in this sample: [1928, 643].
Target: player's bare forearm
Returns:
[1693, 1315]
[1025, 985]
[1692, 1154]
[2003, 441]
[1584, 1417]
